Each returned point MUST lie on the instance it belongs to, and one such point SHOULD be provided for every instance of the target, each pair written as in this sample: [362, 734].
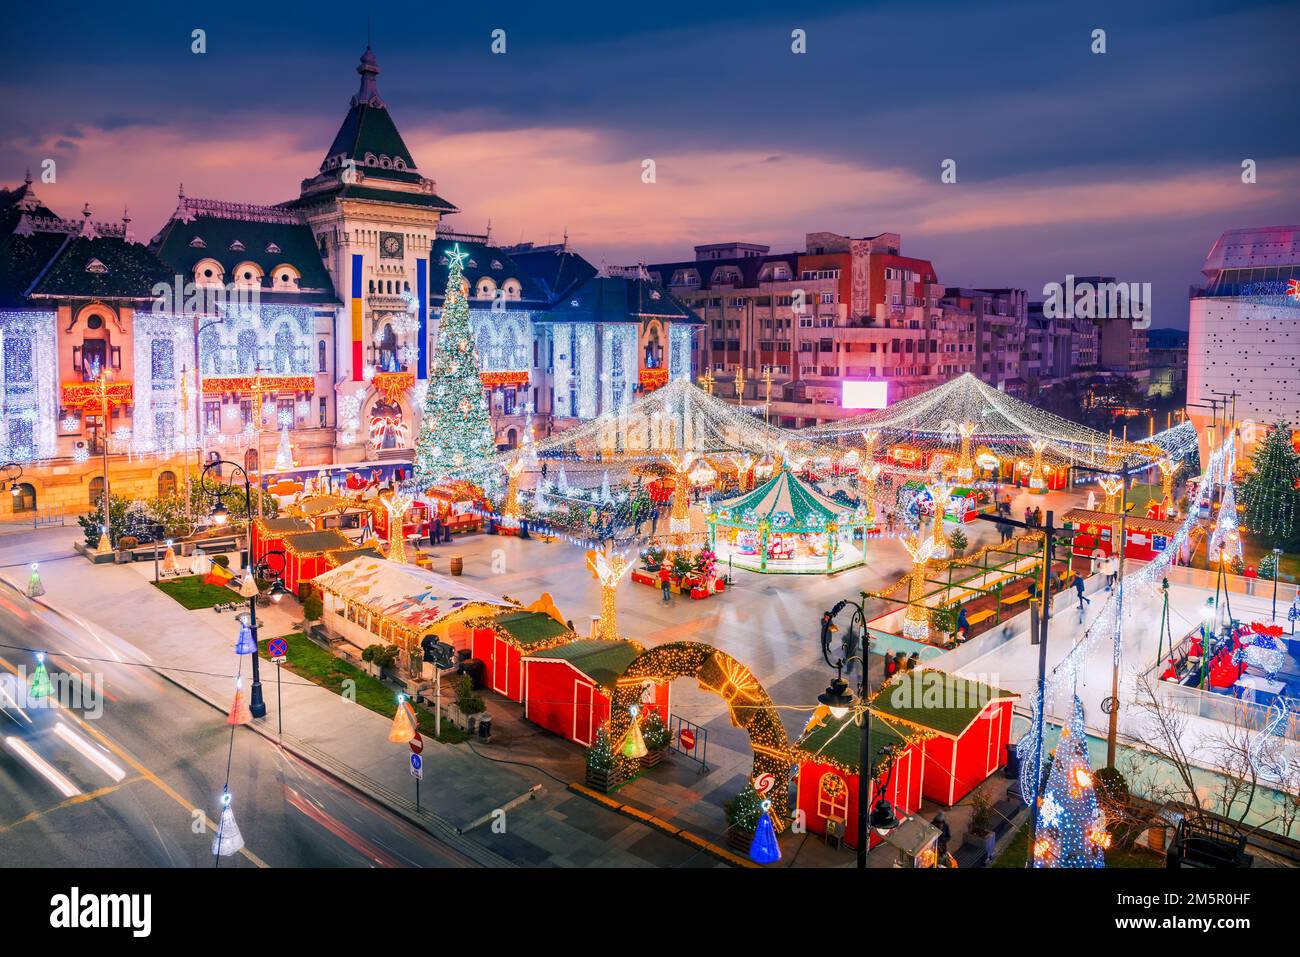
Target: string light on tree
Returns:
[455, 431]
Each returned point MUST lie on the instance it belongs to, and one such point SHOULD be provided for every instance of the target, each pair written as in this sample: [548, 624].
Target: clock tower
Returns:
[374, 216]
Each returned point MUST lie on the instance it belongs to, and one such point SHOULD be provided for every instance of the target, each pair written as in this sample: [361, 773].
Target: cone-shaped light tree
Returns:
[455, 431]
[1071, 829]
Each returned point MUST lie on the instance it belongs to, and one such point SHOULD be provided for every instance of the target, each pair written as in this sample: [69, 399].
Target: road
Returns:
[136, 781]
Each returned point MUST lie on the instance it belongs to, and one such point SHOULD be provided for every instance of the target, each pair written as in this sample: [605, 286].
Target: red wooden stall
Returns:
[502, 642]
[970, 724]
[828, 761]
[269, 533]
[567, 688]
[308, 554]
[1093, 532]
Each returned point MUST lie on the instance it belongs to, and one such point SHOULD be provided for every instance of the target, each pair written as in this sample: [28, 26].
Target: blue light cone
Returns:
[764, 849]
[245, 645]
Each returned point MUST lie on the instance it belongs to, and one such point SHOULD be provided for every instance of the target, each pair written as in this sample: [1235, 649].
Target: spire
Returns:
[87, 227]
[368, 94]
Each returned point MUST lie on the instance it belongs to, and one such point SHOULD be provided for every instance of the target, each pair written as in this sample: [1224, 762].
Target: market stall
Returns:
[829, 756]
[308, 554]
[502, 641]
[567, 688]
[787, 526]
[968, 726]
[373, 600]
[268, 534]
[1092, 533]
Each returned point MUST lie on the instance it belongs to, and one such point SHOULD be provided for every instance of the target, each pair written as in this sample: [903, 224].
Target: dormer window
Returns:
[496, 264]
[94, 265]
[272, 248]
[198, 243]
[248, 274]
[654, 294]
[471, 264]
[236, 246]
[512, 288]
[285, 277]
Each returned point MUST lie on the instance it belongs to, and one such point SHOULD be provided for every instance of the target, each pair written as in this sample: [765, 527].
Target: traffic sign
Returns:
[417, 767]
[687, 739]
[764, 783]
[278, 649]
[416, 743]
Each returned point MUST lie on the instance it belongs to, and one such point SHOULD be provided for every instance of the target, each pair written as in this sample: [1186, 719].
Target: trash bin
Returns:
[485, 726]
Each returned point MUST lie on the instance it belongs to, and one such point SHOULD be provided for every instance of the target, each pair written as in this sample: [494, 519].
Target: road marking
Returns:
[144, 772]
[70, 802]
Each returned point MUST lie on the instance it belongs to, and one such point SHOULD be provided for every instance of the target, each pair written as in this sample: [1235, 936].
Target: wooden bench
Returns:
[1014, 599]
[979, 616]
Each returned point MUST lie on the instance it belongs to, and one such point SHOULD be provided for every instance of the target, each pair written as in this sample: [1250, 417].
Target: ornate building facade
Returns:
[297, 334]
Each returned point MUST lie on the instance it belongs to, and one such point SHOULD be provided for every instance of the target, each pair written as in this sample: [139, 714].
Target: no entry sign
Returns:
[417, 743]
[687, 739]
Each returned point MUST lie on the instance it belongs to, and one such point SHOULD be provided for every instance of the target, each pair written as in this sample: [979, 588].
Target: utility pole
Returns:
[105, 376]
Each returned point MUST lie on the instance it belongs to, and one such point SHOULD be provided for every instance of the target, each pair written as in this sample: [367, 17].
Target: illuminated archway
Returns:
[751, 707]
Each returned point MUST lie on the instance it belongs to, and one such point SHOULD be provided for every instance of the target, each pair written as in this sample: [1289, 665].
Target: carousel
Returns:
[788, 527]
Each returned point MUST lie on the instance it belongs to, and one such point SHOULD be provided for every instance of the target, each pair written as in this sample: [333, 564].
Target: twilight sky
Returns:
[1127, 163]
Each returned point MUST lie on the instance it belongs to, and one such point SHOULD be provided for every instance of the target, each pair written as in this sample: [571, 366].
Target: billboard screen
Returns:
[861, 394]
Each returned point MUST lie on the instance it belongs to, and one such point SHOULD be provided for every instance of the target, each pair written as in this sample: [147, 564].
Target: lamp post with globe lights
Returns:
[840, 703]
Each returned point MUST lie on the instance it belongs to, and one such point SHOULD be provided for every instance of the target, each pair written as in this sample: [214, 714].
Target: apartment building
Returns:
[1001, 318]
[793, 326]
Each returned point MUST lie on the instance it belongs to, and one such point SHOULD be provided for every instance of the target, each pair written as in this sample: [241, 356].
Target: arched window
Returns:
[96, 490]
[24, 496]
[320, 357]
[250, 461]
[166, 484]
[388, 350]
[246, 352]
[832, 797]
[282, 356]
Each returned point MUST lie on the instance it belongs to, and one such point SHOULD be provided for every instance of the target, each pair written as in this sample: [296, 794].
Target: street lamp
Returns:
[220, 516]
[840, 702]
[14, 471]
[1049, 530]
[267, 569]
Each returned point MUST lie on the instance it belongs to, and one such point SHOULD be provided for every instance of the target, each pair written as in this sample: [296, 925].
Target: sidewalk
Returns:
[195, 650]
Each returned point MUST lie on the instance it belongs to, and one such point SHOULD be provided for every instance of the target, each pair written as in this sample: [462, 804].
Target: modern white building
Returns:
[1244, 331]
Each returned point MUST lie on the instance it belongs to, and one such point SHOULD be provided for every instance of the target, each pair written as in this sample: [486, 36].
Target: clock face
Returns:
[390, 245]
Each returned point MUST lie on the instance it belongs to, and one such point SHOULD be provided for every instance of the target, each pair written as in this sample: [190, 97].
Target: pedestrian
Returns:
[913, 661]
[963, 624]
[1029, 516]
[435, 530]
[945, 833]
[900, 662]
[664, 585]
[890, 667]
[543, 471]
[1038, 517]
[1078, 589]
[1111, 564]
[1251, 575]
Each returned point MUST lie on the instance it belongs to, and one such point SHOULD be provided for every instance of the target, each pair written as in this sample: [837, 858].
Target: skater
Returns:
[1078, 589]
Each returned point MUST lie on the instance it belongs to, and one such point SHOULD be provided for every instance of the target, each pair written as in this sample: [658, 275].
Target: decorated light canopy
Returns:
[786, 525]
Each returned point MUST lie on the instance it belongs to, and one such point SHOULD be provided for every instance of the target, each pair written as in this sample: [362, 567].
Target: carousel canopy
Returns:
[412, 597]
[1004, 425]
[787, 504]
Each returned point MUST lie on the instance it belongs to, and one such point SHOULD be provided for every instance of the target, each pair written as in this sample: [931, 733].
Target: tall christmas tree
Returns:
[1269, 492]
[1071, 828]
[455, 431]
